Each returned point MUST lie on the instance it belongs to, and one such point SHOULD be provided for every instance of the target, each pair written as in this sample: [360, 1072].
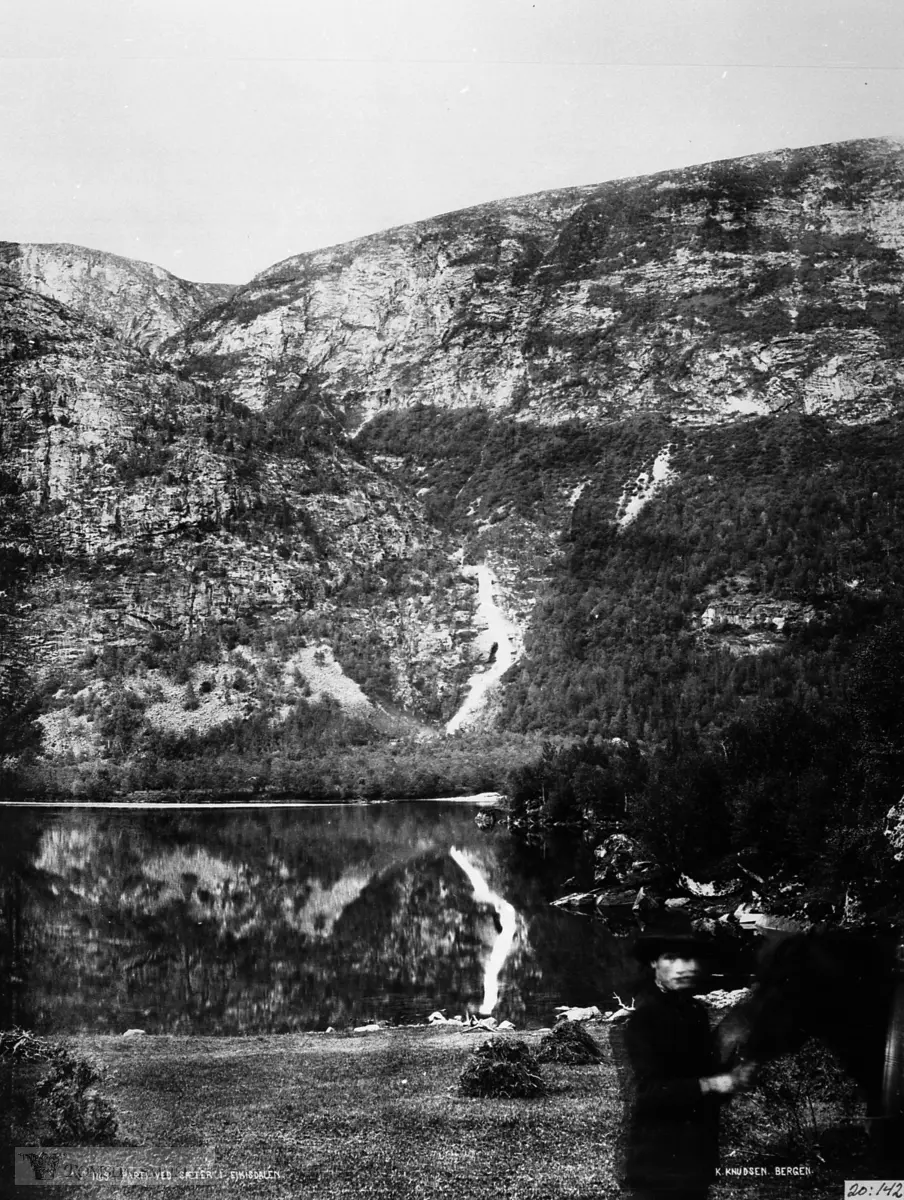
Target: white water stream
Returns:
[508, 919]
[498, 629]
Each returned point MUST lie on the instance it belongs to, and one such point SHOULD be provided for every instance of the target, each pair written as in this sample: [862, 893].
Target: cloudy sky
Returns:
[215, 137]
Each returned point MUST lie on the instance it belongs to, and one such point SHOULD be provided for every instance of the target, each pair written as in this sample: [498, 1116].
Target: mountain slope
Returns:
[754, 286]
[663, 413]
[142, 303]
[187, 560]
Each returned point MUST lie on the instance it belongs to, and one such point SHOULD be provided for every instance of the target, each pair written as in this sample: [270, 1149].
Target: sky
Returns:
[216, 137]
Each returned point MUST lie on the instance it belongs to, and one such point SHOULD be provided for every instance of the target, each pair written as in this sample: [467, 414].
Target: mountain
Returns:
[747, 287]
[662, 415]
[183, 554]
[140, 303]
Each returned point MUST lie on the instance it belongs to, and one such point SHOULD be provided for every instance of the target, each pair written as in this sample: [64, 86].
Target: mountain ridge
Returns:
[142, 302]
[535, 307]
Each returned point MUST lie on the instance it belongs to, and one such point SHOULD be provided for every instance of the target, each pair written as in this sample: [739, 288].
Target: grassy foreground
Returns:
[360, 1115]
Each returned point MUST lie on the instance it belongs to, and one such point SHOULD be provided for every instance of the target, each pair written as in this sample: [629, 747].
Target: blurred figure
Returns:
[673, 1127]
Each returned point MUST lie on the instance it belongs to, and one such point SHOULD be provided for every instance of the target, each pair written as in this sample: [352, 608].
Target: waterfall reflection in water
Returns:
[222, 922]
[508, 921]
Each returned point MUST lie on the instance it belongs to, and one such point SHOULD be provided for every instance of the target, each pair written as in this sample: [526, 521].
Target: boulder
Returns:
[646, 902]
[616, 857]
[616, 898]
[564, 1013]
[711, 888]
[705, 925]
[894, 830]
[577, 900]
[750, 919]
[720, 999]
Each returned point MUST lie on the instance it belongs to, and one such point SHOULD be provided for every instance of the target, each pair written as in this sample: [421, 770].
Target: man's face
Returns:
[675, 971]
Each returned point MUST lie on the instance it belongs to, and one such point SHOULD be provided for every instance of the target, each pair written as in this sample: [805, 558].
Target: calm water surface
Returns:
[256, 920]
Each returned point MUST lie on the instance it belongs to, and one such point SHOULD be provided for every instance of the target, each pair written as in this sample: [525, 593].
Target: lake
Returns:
[253, 920]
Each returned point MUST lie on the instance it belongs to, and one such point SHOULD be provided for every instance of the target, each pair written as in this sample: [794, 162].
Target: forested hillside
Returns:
[775, 547]
[743, 626]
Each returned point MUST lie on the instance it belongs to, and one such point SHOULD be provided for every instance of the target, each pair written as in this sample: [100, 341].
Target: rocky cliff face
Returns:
[139, 302]
[762, 285]
[232, 501]
[161, 524]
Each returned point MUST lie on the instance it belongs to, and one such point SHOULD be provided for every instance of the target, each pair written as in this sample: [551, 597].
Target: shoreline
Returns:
[137, 800]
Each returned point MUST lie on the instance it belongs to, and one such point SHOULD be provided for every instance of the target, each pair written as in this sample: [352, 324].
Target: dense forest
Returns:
[19, 732]
[791, 519]
[769, 727]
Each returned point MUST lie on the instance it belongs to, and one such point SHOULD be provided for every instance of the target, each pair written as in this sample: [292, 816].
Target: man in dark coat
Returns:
[673, 1129]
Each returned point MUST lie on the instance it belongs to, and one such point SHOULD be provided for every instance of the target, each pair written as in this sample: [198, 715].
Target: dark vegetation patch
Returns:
[468, 457]
[571, 1044]
[300, 420]
[804, 1111]
[328, 762]
[792, 791]
[365, 647]
[726, 211]
[791, 753]
[20, 735]
[800, 511]
[635, 222]
[54, 1094]
[504, 1070]
[716, 207]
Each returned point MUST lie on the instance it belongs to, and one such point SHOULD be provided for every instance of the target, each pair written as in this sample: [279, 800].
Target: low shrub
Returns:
[60, 1107]
[569, 1043]
[502, 1069]
[804, 1109]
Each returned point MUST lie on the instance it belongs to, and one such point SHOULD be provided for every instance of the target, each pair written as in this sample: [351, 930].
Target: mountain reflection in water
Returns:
[254, 920]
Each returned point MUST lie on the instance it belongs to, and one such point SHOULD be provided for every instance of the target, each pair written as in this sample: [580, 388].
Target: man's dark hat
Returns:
[672, 934]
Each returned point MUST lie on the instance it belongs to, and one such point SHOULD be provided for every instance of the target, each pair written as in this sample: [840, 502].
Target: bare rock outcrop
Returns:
[142, 303]
[762, 285]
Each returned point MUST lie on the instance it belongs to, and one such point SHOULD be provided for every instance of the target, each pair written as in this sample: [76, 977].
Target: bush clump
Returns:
[61, 1107]
[804, 1109]
[502, 1070]
[569, 1043]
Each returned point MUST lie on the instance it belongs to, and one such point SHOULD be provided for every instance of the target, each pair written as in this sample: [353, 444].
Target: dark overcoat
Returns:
[673, 1128]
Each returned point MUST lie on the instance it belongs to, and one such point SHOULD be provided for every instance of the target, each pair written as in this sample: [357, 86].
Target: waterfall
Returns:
[500, 637]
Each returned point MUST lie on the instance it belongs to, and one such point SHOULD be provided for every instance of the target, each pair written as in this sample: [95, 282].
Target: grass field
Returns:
[373, 1115]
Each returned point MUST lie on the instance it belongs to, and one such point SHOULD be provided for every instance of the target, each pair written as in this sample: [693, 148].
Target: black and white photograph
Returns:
[452, 599]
